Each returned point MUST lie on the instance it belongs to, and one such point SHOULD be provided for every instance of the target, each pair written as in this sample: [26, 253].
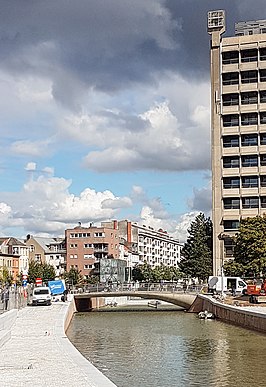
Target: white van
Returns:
[218, 284]
[41, 295]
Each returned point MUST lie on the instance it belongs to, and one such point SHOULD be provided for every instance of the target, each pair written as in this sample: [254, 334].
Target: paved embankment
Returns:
[40, 354]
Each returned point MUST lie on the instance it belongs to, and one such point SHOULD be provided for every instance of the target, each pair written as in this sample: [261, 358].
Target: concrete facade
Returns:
[238, 129]
[156, 247]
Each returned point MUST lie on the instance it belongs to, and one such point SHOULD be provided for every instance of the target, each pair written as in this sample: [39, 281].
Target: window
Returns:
[263, 160]
[263, 75]
[230, 120]
[249, 76]
[249, 161]
[263, 139]
[249, 119]
[263, 201]
[249, 98]
[231, 162]
[231, 182]
[230, 99]
[231, 225]
[99, 234]
[88, 245]
[250, 181]
[230, 141]
[249, 55]
[73, 245]
[231, 203]
[263, 181]
[263, 53]
[230, 79]
[263, 96]
[229, 247]
[88, 256]
[249, 140]
[230, 57]
[263, 118]
[252, 202]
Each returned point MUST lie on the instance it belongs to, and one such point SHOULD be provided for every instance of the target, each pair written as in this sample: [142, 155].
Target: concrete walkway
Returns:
[40, 354]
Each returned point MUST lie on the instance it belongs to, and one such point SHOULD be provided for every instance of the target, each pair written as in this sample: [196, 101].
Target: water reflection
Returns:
[169, 349]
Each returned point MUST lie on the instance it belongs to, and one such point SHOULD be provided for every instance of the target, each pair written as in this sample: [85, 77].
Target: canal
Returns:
[169, 348]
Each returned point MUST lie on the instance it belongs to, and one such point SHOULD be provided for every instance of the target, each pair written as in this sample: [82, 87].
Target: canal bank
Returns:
[37, 352]
[248, 317]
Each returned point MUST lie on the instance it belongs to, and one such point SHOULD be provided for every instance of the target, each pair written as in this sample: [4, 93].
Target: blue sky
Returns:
[105, 112]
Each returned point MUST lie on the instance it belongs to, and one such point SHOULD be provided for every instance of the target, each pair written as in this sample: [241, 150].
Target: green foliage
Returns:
[196, 259]
[250, 248]
[73, 276]
[40, 270]
[5, 276]
[148, 274]
[233, 268]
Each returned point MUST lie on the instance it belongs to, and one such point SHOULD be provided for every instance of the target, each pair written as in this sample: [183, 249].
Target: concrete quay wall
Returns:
[251, 317]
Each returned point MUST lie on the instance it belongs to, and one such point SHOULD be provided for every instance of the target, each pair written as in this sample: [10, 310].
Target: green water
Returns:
[171, 348]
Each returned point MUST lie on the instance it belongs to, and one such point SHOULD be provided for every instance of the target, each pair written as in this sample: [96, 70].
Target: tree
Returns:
[40, 270]
[148, 274]
[196, 261]
[250, 247]
[5, 276]
[73, 276]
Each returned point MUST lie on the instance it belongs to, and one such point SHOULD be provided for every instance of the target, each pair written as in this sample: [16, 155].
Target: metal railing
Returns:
[141, 286]
[17, 299]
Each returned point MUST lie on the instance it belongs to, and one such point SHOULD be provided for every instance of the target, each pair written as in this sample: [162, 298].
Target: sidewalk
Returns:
[39, 353]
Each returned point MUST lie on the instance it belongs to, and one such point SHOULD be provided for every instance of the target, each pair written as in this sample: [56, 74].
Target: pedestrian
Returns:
[5, 297]
[65, 293]
[184, 286]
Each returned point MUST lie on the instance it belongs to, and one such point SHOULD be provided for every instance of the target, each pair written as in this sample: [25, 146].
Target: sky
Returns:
[105, 112]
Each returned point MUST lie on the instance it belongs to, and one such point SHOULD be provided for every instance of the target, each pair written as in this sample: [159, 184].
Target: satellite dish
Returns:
[213, 281]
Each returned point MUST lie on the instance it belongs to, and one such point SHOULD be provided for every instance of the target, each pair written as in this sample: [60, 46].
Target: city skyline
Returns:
[105, 112]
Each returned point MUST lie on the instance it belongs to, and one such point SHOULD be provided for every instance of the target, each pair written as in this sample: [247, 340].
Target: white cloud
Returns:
[31, 148]
[31, 166]
[184, 224]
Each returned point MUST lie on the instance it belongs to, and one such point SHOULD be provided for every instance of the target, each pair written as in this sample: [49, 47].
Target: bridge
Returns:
[83, 301]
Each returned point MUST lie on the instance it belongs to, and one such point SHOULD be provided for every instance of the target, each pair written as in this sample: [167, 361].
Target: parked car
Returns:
[41, 295]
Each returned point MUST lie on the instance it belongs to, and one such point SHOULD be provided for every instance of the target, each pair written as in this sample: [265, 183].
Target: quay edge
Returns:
[251, 317]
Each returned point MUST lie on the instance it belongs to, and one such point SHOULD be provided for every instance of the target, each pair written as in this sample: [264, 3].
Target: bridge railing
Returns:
[147, 286]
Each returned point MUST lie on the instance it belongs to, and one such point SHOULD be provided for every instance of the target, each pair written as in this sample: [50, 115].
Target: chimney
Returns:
[129, 232]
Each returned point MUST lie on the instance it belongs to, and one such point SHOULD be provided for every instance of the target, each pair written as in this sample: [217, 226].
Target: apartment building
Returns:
[238, 128]
[14, 256]
[156, 247]
[48, 250]
[86, 246]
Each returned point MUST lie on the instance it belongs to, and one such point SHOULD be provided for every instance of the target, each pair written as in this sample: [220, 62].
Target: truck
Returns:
[256, 291]
[223, 284]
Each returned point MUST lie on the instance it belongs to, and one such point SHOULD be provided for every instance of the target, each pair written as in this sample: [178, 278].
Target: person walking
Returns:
[5, 297]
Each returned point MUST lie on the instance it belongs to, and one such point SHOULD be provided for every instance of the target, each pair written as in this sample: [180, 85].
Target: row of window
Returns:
[246, 140]
[87, 235]
[246, 98]
[246, 161]
[248, 55]
[248, 76]
[247, 202]
[246, 182]
[85, 245]
[244, 119]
